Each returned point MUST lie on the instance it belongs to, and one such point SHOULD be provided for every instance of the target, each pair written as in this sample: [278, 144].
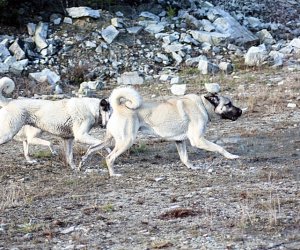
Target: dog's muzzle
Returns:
[233, 114]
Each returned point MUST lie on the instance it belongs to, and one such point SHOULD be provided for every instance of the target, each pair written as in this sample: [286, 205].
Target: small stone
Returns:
[292, 105]
[68, 230]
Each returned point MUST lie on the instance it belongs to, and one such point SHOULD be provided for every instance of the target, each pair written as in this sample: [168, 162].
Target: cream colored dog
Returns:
[175, 119]
[70, 119]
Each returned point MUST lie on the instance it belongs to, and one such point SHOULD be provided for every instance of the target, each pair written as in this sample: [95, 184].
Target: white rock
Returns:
[4, 68]
[40, 36]
[194, 61]
[109, 34]
[164, 58]
[280, 83]
[119, 14]
[150, 15]
[68, 230]
[117, 22]
[4, 52]
[130, 78]
[207, 67]
[18, 66]
[134, 30]
[255, 56]
[292, 105]
[265, 37]
[68, 20]
[178, 89]
[90, 44]
[76, 12]
[277, 58]
[177, 57]
[295, 43]
[46, 75]
[207, 25]
[31, 28]
[155, 28]
[58, 90]
[226, 67]
[212, 88]
[165, 77]
[176, 80]
[214, 38]
[254, 22]
[91, 85]
[15, 48]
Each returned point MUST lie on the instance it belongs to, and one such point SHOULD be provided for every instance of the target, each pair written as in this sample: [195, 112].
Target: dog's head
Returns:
[105, 112]
[224, 107]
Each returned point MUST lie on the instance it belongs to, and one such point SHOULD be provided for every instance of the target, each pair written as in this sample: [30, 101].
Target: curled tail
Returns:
[7, 86]
[125, 97]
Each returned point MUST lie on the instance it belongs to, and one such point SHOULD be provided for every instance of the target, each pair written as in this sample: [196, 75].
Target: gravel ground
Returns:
[249, 203]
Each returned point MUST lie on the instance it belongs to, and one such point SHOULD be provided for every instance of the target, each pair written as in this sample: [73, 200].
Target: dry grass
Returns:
[11, 195]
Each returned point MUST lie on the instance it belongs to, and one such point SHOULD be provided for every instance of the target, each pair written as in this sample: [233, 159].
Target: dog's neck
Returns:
[210, 109]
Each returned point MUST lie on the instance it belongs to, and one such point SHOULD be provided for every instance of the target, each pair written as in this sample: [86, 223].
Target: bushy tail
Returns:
[125, 97]
[7, 86]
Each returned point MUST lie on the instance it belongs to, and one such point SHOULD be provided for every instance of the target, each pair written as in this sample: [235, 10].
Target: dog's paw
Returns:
[232, 157]
[192, 166]
[31, 161]
[115, 175]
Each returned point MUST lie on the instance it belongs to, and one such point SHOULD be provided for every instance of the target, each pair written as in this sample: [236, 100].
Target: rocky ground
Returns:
[249, 203]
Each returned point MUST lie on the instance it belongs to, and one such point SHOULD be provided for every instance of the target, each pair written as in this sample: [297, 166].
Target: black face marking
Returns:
[231, 112]
[213, 99]
[105, 105]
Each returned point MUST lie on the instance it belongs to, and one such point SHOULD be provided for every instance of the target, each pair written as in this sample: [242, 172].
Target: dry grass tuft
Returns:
[178, 213]
[11, 195]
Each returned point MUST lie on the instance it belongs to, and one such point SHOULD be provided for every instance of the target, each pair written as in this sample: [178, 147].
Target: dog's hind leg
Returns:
[68, 149]
[120, 147]
[181, 148]
[91, 150]
[39, 141]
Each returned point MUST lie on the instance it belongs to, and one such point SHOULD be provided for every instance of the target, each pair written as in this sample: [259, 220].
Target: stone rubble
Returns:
[129, 50]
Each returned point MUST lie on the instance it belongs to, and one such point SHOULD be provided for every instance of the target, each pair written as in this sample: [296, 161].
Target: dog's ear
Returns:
[103, 102]
[213, 99]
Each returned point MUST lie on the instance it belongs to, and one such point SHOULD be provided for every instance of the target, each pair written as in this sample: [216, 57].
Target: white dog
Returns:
[176, 119]
[70, 119]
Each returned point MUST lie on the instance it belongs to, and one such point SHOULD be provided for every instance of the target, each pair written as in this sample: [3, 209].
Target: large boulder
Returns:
[226, 24]
[213, 38]
[255, 56]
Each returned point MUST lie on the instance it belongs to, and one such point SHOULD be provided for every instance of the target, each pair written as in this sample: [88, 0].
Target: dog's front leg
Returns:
[68, 149]
[202, 143]
[181, 148]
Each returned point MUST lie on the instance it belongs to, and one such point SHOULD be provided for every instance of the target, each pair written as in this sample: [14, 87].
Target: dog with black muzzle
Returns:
[175, 119]
[71, 119]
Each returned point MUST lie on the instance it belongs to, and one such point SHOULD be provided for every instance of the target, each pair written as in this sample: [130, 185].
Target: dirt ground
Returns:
[249, 203]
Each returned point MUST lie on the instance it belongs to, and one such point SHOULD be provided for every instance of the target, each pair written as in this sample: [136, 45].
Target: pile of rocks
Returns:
[99, 47]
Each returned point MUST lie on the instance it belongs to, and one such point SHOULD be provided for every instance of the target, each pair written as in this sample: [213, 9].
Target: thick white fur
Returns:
[176, 119]
[70, 119]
